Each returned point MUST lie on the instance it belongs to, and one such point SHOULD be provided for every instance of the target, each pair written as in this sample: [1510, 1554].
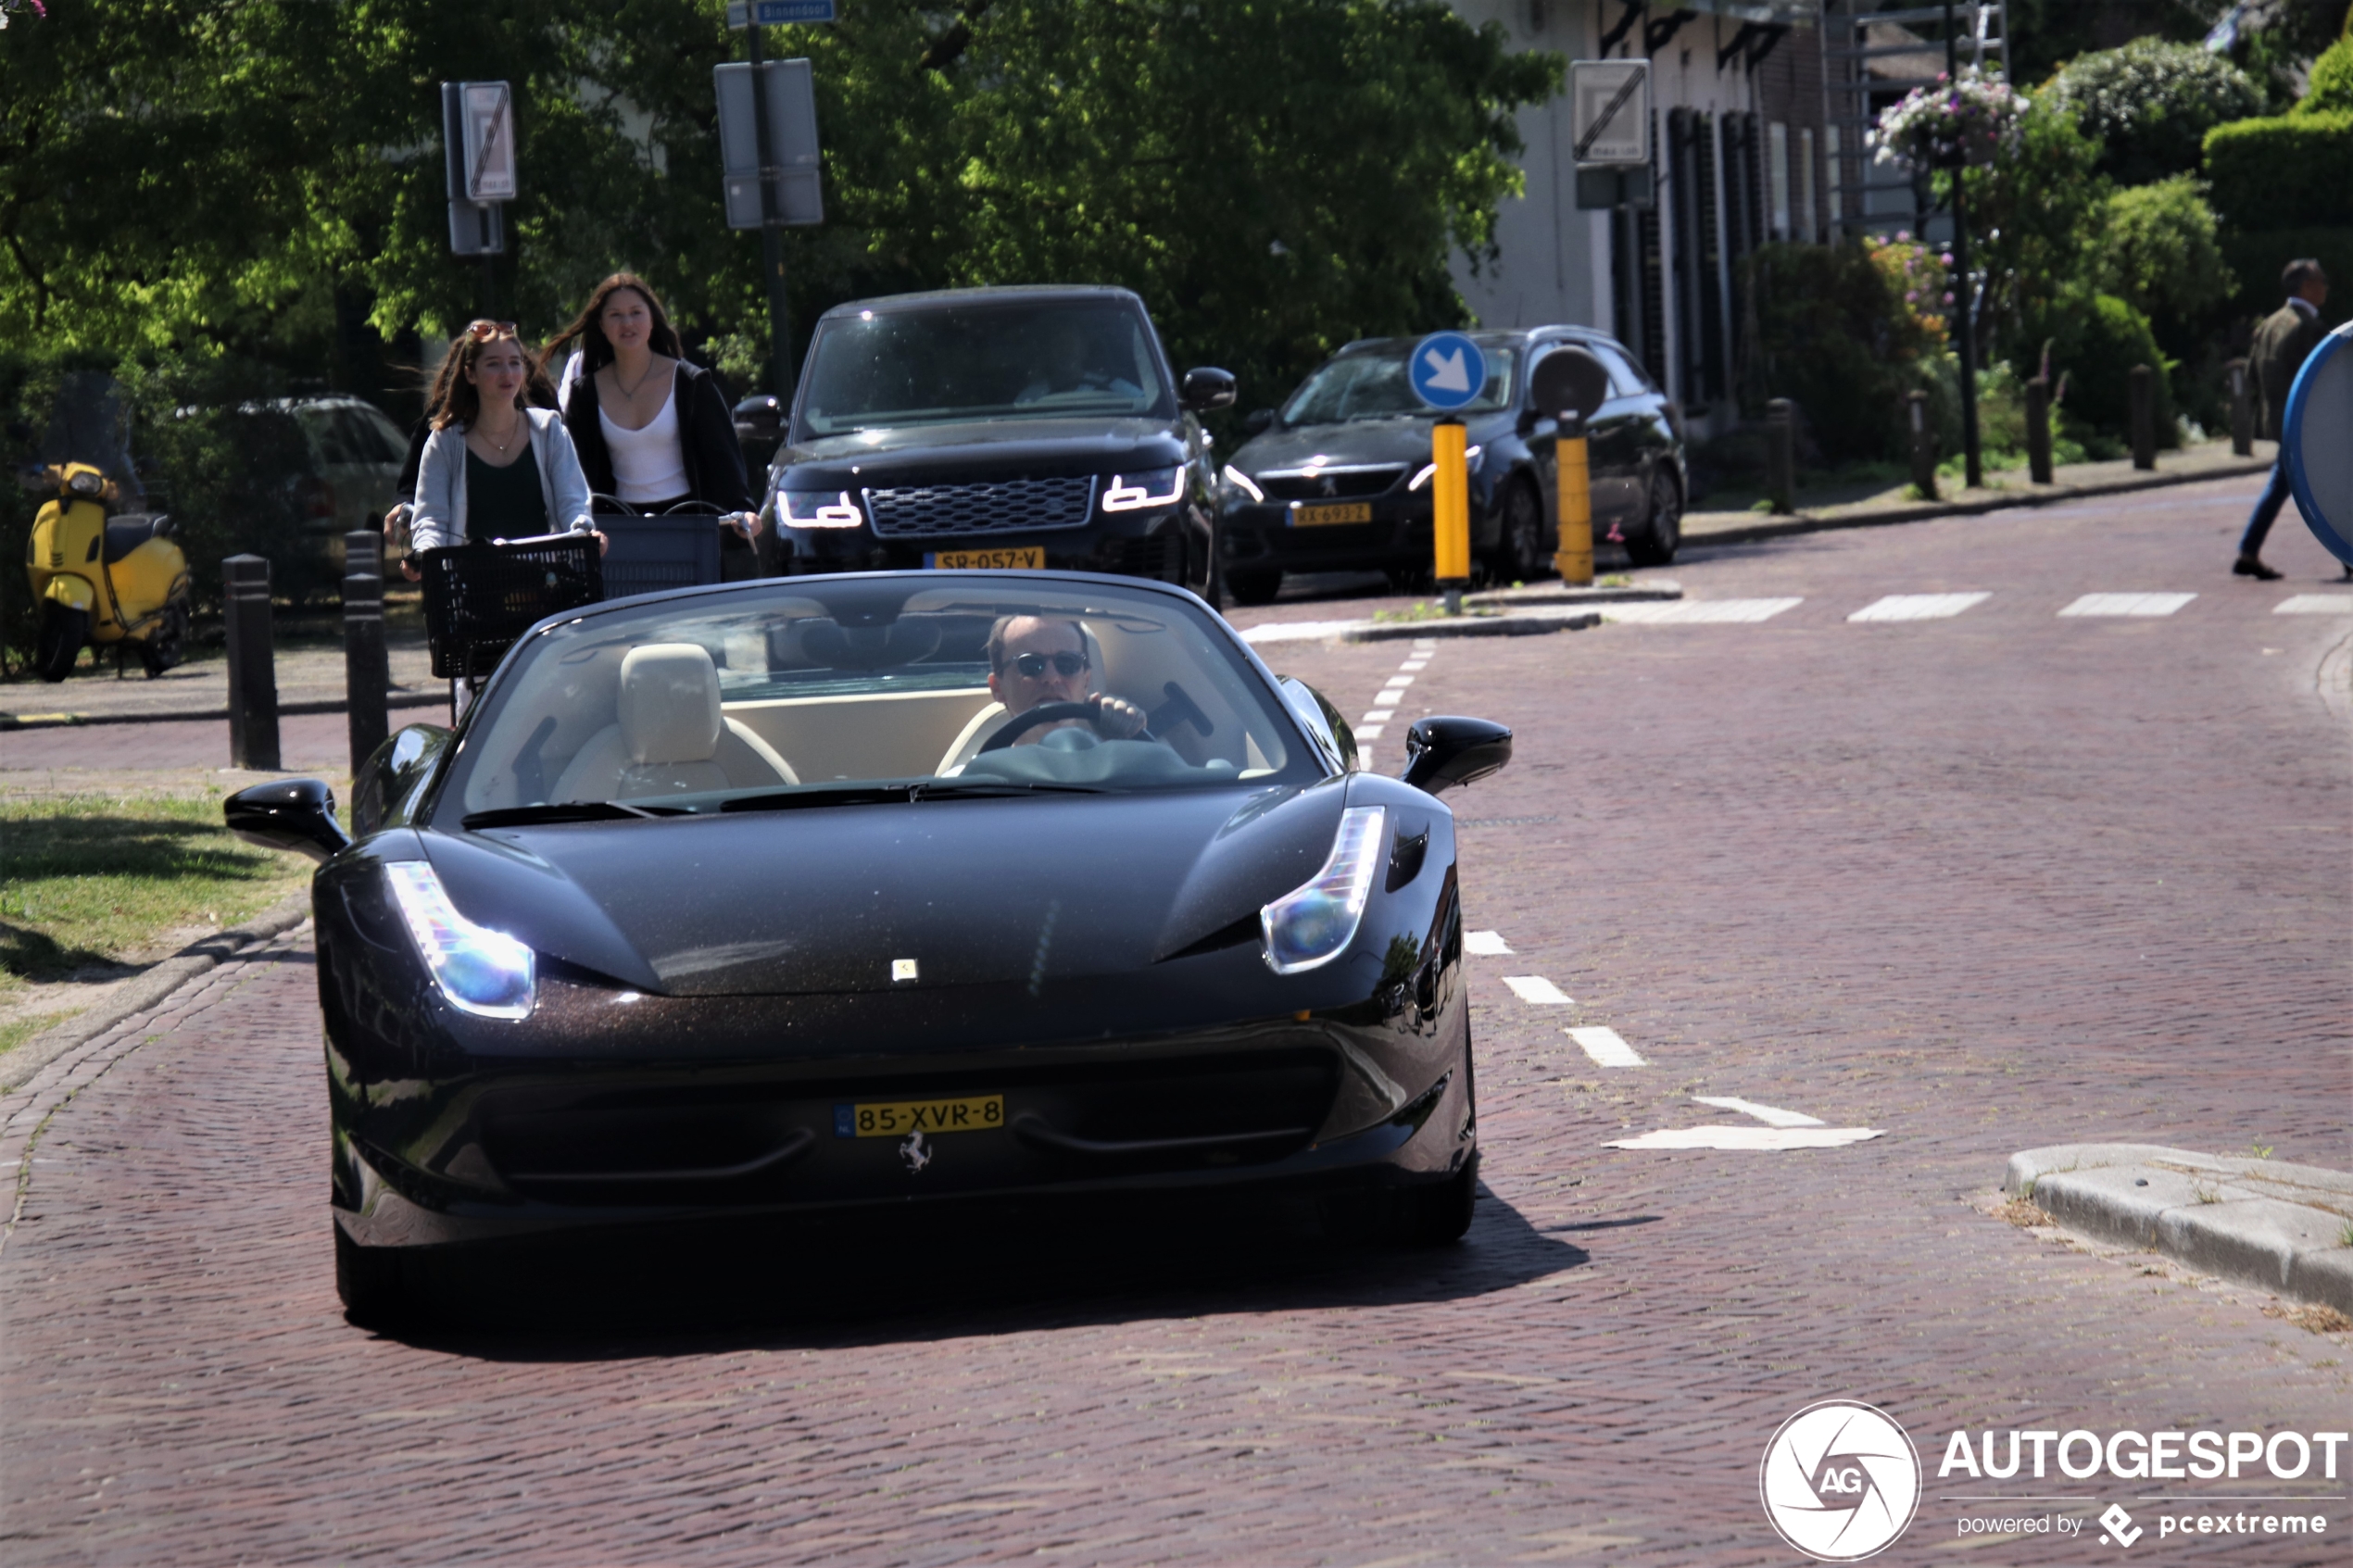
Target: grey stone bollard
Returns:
[2143, 416]
[2242, 411]
[253, 671]
[366, 670]
[1781, 453]
[2038, 429]
[1923, 445]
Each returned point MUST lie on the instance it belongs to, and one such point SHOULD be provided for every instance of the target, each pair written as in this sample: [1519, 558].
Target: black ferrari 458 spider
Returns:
[823, 892]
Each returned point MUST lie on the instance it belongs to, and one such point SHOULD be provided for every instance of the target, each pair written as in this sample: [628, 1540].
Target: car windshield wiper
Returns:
[902, 794]
[567, 811]
[953, 789]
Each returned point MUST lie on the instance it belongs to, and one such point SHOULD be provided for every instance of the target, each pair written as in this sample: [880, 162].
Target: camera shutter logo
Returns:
[1841, 1480]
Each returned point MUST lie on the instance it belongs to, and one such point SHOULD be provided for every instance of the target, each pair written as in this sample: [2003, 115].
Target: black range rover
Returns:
[1009, 427]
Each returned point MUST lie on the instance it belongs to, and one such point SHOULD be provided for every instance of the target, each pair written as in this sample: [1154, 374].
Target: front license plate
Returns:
[895, 1118]
[1303, 516]
[1027, 557]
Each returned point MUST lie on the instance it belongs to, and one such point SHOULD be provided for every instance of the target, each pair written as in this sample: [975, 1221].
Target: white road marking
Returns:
[1412, 664]
[1748, 1137]
[1918, 606]
[1363, 733]
[2315, 604]
[1296, 630]
[1765, 1113]
[1378, 716]
[1425, 643]
[2127, 604]
[1485, 944]
[1698, 612]
[1535, 988]
[1397, 683]
[1605, 1047]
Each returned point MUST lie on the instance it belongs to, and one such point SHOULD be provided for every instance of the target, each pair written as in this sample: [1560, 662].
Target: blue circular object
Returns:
[1447, 370]
[2316, 442]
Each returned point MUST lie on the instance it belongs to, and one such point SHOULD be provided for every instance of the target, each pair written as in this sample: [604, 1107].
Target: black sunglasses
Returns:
[1034, 664]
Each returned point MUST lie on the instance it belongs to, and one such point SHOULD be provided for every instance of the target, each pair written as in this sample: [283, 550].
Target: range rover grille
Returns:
[1005, 505]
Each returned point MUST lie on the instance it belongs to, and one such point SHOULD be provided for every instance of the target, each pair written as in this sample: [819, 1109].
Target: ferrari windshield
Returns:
[943, 364]
[906, 687]
[1370, 384]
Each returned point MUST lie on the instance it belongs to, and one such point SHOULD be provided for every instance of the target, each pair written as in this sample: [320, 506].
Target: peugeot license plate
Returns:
[1305, 515]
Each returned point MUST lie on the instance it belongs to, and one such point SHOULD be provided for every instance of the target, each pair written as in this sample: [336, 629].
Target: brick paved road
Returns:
[1984, 882]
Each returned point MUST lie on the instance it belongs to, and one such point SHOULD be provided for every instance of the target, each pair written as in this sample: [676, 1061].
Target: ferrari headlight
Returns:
[482, 972]
[1161, 487]
[818, 508]
[1313, 924]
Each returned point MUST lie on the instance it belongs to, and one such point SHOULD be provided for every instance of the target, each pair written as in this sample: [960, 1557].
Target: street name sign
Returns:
[790, 89]
[742, 14]
[2316, 442]
[1447, 370]
[1609, 112]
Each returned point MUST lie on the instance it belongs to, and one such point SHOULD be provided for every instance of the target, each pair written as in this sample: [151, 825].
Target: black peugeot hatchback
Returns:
[1339, 478]
[1035, 427]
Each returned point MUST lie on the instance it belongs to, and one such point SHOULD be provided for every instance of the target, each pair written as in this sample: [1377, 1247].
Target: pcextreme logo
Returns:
[1841, 1480]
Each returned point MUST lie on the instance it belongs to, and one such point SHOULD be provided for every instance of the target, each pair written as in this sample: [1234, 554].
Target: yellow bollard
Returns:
[1574, 478]
[1450, 493]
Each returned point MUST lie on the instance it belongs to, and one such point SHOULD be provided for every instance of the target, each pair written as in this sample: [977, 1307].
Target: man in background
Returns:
[2283, 341]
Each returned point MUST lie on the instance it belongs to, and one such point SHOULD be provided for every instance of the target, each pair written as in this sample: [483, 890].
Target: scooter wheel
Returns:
[63, 630]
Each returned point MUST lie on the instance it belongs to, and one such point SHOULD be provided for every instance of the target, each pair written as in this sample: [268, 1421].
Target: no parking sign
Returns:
[2316, 442]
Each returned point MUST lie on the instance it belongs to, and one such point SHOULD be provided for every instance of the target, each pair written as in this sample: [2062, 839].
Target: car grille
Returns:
[1354, 483]
[1005, 505]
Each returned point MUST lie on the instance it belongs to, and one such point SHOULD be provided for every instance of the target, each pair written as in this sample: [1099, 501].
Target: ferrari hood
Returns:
[830, 899]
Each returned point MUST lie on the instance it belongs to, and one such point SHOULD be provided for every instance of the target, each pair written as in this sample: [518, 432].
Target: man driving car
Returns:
[1034, 660]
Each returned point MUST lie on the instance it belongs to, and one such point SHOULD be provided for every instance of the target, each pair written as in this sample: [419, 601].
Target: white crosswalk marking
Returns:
[1535, 988]
[2127, 604]
[1397, 683]
[1698, 612]
[1765, 1113]
[2315, 604]
[1485, 944]
[1918, 606]
[1605, 1047]
[1365, 732]
[1748, 1137]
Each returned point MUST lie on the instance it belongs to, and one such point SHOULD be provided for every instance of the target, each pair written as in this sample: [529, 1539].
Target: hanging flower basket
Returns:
[1973, 120]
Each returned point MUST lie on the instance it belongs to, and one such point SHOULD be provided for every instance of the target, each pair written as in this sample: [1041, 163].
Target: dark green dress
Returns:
[504, 502]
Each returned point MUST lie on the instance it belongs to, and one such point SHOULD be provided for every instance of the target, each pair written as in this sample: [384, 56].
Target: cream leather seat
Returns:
[670, 738]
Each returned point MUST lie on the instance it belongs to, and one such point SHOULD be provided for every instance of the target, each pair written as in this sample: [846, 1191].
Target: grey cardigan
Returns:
[440, 516]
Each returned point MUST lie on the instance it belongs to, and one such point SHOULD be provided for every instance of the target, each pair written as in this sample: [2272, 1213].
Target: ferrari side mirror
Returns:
[296, 814]
[1442, 752]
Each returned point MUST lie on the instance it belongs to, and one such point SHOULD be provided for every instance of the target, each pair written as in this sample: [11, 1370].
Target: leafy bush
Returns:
[2330, 91]
[2158, 253]
[2032, 218]
[1837, 336]
[2095, 341]
[2150, 104]
[2293, 171]
[2256, 259]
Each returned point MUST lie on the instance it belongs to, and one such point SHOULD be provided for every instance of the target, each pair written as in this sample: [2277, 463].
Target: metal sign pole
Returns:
[1973, 472]
[772, 239]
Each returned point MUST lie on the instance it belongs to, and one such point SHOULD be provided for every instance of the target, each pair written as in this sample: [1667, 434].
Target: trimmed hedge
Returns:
[2292, 172]
[2257, 259]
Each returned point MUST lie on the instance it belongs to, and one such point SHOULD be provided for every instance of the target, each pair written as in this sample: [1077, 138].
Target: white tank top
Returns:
[648, 464]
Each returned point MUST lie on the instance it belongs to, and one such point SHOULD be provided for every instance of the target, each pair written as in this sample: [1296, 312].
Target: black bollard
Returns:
[1923, 447]
[2038, 429]
[2143, 416]
[1781, 453]
[2242, 411]
[366, 670]
[253, 672]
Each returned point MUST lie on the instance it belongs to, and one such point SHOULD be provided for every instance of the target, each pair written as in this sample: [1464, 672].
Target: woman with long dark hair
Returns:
[494, 467]
[652, 429]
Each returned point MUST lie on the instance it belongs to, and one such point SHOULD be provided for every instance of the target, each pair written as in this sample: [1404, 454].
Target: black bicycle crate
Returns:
[478, 597]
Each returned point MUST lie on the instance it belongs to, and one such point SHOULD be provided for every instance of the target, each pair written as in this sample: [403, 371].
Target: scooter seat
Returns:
[125, 535]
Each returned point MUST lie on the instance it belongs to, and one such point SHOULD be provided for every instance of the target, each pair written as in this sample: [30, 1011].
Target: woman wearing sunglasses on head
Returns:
[493, 467]
[653, 430]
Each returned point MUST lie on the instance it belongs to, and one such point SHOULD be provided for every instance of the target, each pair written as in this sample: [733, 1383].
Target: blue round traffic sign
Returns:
[2316, 442]
[1447, 370]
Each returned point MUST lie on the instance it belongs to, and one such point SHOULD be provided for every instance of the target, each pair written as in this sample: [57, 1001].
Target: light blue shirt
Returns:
[440, 515]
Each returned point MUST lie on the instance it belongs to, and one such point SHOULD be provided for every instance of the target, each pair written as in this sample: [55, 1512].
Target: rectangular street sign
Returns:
[777, 13]
[791, 91]
[1610, 111]
[489, 130]
[1604, 187]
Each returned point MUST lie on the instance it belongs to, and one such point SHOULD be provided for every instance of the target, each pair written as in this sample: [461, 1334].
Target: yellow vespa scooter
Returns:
[101, 580]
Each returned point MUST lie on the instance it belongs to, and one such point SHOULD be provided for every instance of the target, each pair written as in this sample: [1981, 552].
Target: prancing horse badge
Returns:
[914, 1152]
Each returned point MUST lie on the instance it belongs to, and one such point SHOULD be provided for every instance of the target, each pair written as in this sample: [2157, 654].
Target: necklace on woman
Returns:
[502, 445]
[631, 391]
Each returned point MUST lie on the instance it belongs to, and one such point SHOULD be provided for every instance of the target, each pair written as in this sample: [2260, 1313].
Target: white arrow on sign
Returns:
[1447, 372]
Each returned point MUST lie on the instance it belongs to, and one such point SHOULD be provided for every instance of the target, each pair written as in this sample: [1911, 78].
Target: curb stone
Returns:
[1533, 623]
[144, 991]
[2258, 1222]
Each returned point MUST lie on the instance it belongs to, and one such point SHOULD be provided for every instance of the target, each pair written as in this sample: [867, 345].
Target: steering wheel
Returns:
[1051, 713]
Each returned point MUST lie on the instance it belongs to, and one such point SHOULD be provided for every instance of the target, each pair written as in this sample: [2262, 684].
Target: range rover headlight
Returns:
[1470, 464]
[1315, 923]
[482, 972]
[819, 508]
[1142, 492]
[1243, 482]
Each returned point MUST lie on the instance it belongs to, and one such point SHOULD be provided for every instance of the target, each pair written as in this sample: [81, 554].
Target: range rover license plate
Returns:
[895, 1118]
[1027, 558]
[1305, 515]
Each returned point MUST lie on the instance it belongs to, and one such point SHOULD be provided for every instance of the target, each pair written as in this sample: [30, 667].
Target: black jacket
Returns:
[706, 432]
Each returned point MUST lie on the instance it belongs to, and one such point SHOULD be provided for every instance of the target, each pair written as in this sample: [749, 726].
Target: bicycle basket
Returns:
[479, 598]
[651, 554]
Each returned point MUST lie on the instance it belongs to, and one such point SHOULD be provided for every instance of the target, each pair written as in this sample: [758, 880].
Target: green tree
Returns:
[2158, 252]
[2150, 104]
[2033, 218]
